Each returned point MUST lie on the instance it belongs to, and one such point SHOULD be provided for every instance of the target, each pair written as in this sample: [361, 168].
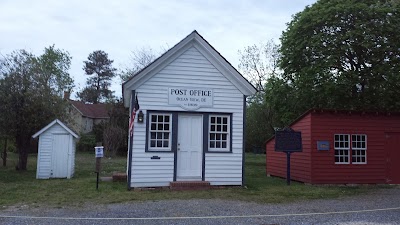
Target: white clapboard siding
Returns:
[158, 172]
[45, 154]
[224, 169]
[190, 69]
[72, 156]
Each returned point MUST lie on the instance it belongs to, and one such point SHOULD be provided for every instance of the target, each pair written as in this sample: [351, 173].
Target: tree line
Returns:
[335, 54]
[32, 89]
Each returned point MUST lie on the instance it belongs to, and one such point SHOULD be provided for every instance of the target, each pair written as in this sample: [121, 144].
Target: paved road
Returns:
[380, 207]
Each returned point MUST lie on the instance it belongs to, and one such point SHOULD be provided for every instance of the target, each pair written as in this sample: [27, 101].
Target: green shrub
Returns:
[86, 143]
[98, 130]
[10, 145]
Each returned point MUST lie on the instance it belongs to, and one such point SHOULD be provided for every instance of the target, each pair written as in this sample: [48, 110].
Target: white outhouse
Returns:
[188, 111]
[56, 151]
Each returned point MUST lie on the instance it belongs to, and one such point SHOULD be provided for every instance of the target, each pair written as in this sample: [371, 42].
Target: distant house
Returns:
[84, 115]
[342, 147]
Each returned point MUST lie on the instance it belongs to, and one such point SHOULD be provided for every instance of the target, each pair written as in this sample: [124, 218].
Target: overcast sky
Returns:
[119, 27]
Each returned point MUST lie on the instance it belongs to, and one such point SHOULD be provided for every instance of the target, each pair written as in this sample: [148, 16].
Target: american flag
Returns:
[133, 115]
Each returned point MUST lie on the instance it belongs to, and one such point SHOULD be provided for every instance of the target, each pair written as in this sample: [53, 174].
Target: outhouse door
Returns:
[59, 167]
[189, 149]
[392, 147]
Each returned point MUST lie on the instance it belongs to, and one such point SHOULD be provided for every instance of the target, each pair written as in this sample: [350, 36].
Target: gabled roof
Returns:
[336, 111]
[95, 111]
[51, 124]
[193, 39]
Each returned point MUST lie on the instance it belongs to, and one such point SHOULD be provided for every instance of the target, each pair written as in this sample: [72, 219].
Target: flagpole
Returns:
[133, 109]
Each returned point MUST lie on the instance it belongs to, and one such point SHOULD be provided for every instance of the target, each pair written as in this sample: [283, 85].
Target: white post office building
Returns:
[191, 118]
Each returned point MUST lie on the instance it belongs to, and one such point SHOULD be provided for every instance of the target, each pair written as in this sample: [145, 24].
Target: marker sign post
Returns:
[288, 141]
[99, 154]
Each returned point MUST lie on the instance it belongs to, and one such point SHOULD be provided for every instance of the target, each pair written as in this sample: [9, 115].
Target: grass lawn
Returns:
[21, 187]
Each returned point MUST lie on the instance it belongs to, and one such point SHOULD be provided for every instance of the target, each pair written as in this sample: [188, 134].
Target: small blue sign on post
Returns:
[99, 151]
[323, 145]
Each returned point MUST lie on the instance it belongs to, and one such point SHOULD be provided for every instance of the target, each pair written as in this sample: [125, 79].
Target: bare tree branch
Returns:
[259, 62]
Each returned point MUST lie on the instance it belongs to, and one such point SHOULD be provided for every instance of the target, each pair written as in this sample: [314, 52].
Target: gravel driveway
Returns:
[379, 207]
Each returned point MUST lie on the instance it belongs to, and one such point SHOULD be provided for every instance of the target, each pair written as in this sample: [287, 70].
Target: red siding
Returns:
[326, 125]
[300, 161]
[318, 167]
[392, 144]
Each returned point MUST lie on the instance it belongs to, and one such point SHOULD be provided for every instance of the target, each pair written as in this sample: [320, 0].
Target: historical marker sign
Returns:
[288, 141]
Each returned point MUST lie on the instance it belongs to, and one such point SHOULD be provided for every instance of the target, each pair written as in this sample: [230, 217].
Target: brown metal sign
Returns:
[288, 141]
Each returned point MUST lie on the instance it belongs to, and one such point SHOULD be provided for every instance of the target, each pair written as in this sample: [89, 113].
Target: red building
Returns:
[342, 147]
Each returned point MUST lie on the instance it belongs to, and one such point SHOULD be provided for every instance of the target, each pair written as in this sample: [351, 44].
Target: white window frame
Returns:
[362, 148]
[348, 148]
[159, 132]
[214, 132]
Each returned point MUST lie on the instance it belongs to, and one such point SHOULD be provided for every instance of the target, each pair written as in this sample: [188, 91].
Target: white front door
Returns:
[60, 156]
[190, 145]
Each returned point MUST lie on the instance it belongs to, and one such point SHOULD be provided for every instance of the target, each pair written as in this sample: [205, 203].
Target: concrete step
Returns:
[118, 176]
[106, 179]
[189, 185]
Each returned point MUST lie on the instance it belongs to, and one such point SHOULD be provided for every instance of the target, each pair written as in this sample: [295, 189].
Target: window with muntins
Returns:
[219, 132]
[342, 148]
[359, 148]
[159, 132]
[356, 150]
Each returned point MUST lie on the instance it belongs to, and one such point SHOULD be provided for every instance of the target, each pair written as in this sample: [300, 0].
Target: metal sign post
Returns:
[99, 154]
[288, 141]
[288, 168]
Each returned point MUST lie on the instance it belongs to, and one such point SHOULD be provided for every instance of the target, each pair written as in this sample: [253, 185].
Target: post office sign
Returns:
[190, 98]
